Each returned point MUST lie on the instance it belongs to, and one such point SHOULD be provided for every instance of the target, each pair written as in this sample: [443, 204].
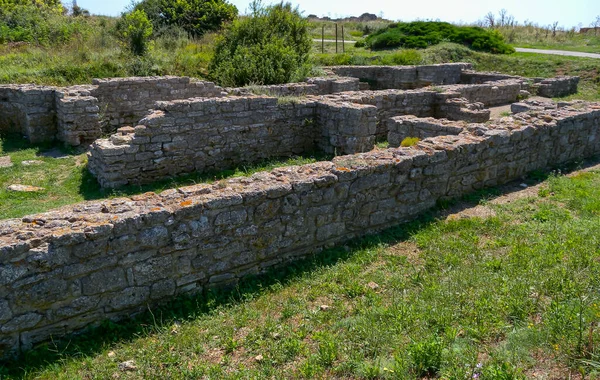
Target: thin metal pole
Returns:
[336, 38]
[323, 39]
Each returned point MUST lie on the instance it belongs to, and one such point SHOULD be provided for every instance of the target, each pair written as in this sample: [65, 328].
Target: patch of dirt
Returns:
[499, 111]
[408, 250]
[509, 193]
[5, 162]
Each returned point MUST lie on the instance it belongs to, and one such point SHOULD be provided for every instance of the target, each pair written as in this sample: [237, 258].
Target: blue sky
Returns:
[567, 13]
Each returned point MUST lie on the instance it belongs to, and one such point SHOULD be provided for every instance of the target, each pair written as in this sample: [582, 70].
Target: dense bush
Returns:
[270, 46]
[135, 29]
[196, 17]
[36, 21]
[421, 34]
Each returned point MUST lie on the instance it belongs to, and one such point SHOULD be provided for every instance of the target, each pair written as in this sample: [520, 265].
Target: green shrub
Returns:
[404, 57]
[421, 34]
[426, 357]
[270, 46]
[135, 29]
[196, 17]
[37, 22]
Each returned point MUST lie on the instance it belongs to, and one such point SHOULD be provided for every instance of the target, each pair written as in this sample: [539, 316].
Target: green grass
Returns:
[532, 36]
[504, 296]
[67, 180]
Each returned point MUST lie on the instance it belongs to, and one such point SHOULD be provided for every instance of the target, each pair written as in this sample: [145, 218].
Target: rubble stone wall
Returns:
[401, 127]
[78, 119]
[29, 110]
[200, 135]
[556, 87]
[67, 269]
[312, 86]
[404, 77]
[126, 100]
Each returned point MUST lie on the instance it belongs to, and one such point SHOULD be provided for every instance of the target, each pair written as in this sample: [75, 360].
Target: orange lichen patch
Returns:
[342, 169]
[156, 208]
[186, 203]
[115, 217]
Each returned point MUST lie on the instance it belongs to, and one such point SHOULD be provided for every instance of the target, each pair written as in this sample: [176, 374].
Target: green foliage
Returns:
[39, 22]
[426, 357]
[270, 46]
[196, 17]
[135, 29]
[421, 34]
[409, 141]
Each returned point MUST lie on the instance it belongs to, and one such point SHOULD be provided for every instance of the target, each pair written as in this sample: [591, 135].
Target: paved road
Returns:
[559, 52]
[522, 50]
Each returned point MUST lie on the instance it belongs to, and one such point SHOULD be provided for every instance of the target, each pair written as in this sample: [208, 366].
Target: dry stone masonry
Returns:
[67, 269]
[71, 268]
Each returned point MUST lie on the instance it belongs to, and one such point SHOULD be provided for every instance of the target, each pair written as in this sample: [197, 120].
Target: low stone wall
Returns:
[78, 120]
[345, 128]
[476, 77]
[199, 135]
[312, 86]
[401, 127]
[67, 269]
[81, 114]
[29, 110]
[490, 94]
[556, 87]
[126, 100]
[404, 77]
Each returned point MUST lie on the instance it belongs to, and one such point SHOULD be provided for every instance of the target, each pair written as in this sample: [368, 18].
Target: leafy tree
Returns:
[49, 5]
[195, 16]
[270, 46]
[135, 30]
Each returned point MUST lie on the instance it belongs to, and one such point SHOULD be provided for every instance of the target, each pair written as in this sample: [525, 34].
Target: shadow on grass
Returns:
[185, 308]
[14, 142]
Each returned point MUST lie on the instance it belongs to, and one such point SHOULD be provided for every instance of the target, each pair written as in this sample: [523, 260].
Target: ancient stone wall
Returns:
[403, 77]
[126, 100]
[29, 110]
[199, 135]
[490, 94]
[312, 86]
[401, 127]
[477, 77]
[77, 114]
[556, 87]
[67, 269]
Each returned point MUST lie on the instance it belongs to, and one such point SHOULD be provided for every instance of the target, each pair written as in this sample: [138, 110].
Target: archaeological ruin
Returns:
[68, 269]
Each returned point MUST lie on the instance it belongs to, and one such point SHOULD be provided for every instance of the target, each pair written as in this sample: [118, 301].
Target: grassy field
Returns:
[541, 38]
[508, 293]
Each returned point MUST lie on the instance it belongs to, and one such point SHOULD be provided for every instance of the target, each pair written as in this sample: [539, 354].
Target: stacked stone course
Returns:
[199, 135]
[71, 268]
[67, 269]
[404, 77]
[29, 110]
[126, 100]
